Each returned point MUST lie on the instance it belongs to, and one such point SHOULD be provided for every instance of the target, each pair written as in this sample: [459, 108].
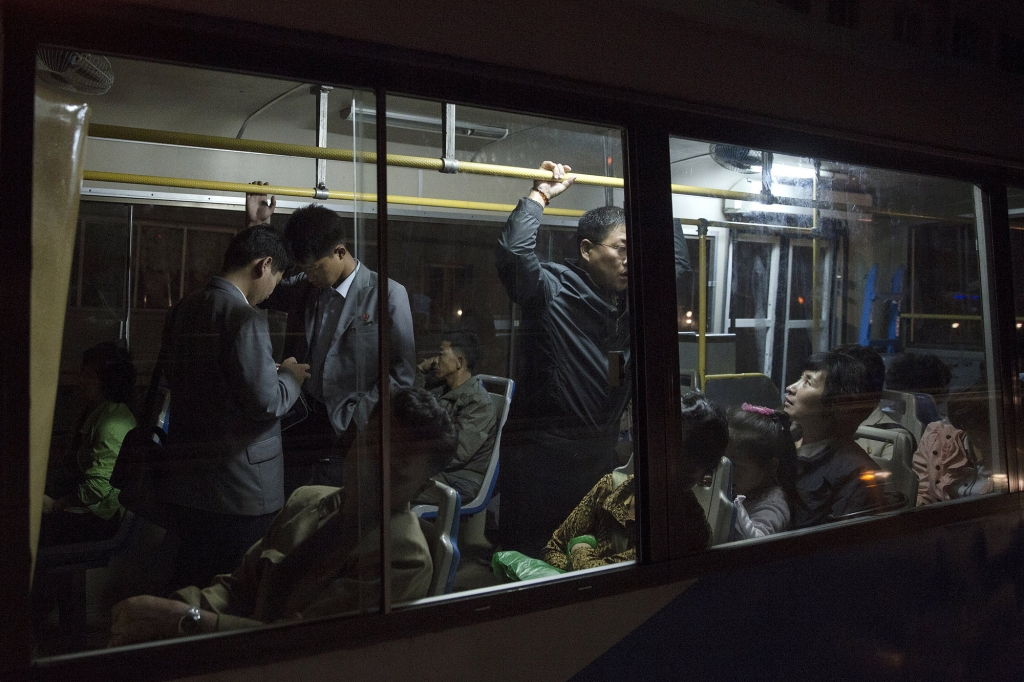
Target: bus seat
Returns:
[160, 419]
[925, 409]
[442, 536]
[63, 569]
[619, 474]
[716, 500]
[732, 390]
[900, 466]
[914, 411]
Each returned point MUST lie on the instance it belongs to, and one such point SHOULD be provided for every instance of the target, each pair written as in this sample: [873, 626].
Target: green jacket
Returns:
[102, 433]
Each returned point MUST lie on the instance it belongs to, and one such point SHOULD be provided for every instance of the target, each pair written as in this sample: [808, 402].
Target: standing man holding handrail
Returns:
[574, 329]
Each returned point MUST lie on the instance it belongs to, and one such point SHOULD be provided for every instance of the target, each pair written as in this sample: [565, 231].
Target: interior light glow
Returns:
[459, 312]
[1020, 324]
[689, 313]
[784, 171]
[955, 325]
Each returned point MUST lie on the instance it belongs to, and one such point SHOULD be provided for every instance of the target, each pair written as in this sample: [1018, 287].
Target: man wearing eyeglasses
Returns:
[573, 346]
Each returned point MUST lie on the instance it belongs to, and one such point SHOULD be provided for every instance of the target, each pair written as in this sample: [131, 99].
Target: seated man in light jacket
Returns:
[309, 562]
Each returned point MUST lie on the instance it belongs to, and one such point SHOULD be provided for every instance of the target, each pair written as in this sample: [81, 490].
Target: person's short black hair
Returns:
[705, 430]
[113, 365]
[419, 411]
[465, 344]
[854, 376]
[597, 223]
[911, 372]
[253, 244]
[850, 370]
[313, 231]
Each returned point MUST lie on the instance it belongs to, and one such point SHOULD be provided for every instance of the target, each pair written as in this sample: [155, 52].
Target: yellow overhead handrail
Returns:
[370, 197]
[129, 134]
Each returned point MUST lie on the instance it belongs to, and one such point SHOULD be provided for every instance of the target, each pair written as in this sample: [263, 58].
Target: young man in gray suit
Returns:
[335, 297]
[225, 479]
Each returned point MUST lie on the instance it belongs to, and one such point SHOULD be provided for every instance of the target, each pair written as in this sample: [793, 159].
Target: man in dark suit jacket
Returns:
[225, 482]
[336, 299]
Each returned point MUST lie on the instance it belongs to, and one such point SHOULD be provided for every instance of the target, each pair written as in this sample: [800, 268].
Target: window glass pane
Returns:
[880, 354]
[159, 270]
[169, 278]
[750, 276]
[503, 294]
[1015, 202]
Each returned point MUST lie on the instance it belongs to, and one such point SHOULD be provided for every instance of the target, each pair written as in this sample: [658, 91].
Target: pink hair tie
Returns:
[758, 409]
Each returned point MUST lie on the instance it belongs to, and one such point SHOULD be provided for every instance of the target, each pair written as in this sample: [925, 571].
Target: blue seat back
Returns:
[440, 525]
[501, 391]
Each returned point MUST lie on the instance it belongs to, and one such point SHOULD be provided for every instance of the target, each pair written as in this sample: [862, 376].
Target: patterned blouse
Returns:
[607, 513]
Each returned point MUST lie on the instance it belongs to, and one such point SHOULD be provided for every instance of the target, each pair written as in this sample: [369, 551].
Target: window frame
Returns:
[647, 122]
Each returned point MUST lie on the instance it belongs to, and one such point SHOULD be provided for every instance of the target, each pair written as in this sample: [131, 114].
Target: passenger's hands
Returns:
[558, 184]
[297, 369]
[428, 365]
[257, 209]
[145, 618]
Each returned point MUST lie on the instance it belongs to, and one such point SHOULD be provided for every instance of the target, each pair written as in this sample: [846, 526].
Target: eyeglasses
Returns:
[620, 251]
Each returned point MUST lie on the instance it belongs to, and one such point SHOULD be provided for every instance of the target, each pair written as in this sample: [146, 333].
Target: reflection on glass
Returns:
[881, 357]
[1015, 202]
[204, 254]
[227, 525]
[520, 287]
[751, 273]
[158, 284]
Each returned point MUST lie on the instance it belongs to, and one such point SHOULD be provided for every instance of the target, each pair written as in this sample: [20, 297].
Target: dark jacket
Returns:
[568, 328]
[226, 400]
[829, 483]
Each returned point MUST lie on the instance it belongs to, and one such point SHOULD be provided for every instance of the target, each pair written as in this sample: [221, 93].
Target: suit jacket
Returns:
[227, 396]
[278, 581]
[350, 368]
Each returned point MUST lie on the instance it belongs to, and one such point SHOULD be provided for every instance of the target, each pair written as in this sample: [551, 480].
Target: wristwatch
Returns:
[188, 624]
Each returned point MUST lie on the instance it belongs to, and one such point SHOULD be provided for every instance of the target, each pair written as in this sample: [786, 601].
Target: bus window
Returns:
[1015, 202]
[855, 356]
[162, 278]
[516, 281]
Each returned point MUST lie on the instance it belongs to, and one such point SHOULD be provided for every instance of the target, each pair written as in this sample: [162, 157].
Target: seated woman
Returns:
[763, 471]
[87, 507]
[602, 529]
[836, 392]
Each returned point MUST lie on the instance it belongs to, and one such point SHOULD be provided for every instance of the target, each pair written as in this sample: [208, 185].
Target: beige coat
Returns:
[325, 582]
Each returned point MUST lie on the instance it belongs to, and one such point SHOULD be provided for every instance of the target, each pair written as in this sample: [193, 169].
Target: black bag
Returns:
[143, 459]
[298, 413]
[136, 473]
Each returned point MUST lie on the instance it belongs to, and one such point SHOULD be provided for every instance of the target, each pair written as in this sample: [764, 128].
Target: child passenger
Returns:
[602, 529]
[763, 470]
[836, 392]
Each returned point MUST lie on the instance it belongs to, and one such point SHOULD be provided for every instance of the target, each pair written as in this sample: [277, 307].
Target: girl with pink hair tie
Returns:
[764, 471]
